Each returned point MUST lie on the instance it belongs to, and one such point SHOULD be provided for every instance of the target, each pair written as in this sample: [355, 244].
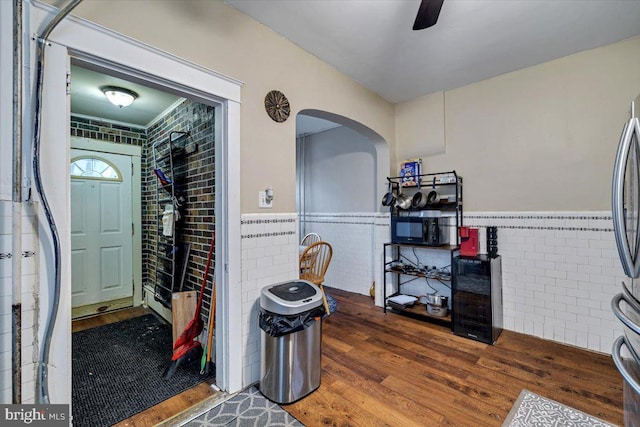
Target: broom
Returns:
[186, 349]
[185, 355]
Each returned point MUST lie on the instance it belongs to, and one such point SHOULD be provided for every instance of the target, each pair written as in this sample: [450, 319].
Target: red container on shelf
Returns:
[468, 241]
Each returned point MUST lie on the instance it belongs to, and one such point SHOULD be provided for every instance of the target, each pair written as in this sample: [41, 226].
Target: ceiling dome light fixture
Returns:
[119, 96]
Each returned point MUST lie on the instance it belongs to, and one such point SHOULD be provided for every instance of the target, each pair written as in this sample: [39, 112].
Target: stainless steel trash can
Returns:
[291, 337]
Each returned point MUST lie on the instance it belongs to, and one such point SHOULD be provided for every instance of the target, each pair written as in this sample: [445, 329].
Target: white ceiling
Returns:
[88, 100]
[372, 40]
[306, 125]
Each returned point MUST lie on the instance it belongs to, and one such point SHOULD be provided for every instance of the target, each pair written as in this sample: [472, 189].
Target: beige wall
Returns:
[538, 139]
[542, 138]
[218, 37]
[420, 126]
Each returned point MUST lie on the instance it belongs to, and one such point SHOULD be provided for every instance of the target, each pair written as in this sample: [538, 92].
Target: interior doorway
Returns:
[121, 185]
[123, 56]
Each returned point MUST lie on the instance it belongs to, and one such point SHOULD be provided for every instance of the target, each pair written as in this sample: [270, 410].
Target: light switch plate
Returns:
[262, 200]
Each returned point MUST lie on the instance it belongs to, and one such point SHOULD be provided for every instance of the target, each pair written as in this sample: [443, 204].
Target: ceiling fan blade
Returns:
[427, 14]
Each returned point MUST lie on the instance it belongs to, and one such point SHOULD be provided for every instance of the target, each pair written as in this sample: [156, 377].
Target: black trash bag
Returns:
[278, 325]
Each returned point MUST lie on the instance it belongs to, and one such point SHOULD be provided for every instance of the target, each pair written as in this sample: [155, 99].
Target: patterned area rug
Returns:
[532, 410]
[246, 409]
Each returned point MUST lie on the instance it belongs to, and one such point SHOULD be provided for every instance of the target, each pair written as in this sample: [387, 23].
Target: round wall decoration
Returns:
[277, 106]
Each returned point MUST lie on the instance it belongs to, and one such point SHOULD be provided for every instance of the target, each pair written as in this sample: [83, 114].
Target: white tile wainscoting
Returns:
[269, 255]
[30, 307]
[357, 239]
[270, 251]
[560, 269]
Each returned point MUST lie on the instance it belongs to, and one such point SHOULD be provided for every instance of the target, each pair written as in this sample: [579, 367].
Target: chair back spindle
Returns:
[310, 238]
[314, 263]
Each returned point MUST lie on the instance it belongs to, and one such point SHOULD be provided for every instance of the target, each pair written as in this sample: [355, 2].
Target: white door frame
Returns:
[94, 44]
[135, 153]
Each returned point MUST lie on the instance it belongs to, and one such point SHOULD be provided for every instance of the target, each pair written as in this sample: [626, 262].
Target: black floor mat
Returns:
[117, 370]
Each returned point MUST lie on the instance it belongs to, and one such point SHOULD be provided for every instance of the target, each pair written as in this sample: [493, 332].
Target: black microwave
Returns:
[433, 231]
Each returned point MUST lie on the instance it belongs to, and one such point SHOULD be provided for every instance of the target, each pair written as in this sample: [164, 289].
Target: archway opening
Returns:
[341, 169]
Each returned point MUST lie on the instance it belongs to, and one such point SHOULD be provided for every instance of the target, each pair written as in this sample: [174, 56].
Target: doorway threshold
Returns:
[101, 307]
[179, 409]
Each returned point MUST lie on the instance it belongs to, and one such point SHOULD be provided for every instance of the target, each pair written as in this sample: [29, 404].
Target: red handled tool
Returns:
[186, 348]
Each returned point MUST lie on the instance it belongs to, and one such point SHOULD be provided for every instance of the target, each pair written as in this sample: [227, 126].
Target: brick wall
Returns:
[197, 184]
[103, 130]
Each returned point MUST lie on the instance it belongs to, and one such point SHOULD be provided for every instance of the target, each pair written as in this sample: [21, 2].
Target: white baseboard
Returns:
[150, 301]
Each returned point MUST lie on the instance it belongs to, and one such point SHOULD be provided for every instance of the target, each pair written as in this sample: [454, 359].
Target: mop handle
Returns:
[206, 274]
[212, 321]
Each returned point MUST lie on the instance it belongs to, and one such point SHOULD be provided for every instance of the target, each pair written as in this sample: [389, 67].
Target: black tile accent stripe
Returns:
[259, 235]
[580, 217]
[340, 222]
[268, 221]
[524, 227]
[345, 216]
[468, 221]
[512, 227]
[309, 218]
[542, 216]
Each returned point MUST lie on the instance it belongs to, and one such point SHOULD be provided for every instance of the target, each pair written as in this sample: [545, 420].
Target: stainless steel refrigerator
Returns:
[626, 226]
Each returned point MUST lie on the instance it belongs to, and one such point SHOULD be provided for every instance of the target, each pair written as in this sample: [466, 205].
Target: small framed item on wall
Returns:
[410, 171]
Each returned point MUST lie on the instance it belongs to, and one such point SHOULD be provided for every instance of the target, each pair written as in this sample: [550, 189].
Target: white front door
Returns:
[101, 227]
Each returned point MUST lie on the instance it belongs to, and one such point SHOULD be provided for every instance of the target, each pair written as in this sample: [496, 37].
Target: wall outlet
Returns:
[262, 200]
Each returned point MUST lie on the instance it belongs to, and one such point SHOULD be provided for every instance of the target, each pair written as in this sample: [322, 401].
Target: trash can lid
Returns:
[291, 297]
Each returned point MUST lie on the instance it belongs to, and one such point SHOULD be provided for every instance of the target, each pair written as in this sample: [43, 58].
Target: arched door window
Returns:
[94, 168]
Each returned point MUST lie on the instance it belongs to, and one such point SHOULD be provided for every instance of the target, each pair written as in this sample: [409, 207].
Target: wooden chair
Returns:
[314, 263]
[310, 238]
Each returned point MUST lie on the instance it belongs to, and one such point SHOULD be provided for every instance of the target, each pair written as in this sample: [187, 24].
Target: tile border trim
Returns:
[260, 235]
[528, 216]
[335, 218]
[267, 221]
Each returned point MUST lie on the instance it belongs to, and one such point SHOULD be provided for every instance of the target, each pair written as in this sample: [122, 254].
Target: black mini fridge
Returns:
[477, 297]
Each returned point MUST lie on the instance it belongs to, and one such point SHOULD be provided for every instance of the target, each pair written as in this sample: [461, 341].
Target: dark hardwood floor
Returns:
[391, 370]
